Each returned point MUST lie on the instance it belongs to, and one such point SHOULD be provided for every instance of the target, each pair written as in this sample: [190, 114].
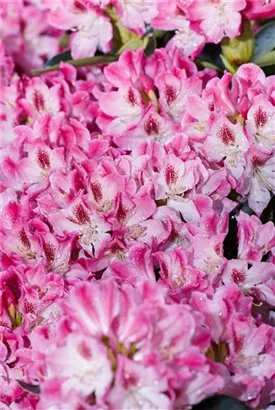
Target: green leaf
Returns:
[159, 33]
[121, 34]
[220, 402]
[269, 70]
[151, 45]
[82, 62]
[269, 212]
[31, 388]
[230, 244]
[62, 57]
[207, 64]
[64, 41]
[265, 40]
[211, 54]
[266, 59]
[133, 44]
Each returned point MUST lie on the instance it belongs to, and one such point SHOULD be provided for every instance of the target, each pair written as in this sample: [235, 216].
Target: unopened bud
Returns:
[239, 50]
[8, 298]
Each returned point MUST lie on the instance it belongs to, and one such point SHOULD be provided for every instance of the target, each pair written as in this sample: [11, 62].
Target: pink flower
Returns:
[172, 14]
[104, 187]
[188, 40]
[130, 67]
[24, 243]
[121, 109]
[94, 306]
[94, 30]
[177, 273]
[226, 24]
[174, 90]
[121, 320]
[10, 293]
[55, 252]
[7, 65]
[219, 310]
[136, 383]
[247, 83]
[80, 364]
[196, 121]
[116, 290]
[40, 290]
[39, 164]
[151, 127]
[139, 264]
[176, 177]
[135, 14]
[40, 98]
[217, 95]
[260, 123]
[173, 334]
[259, 180]
[131, 217]
[201, 383]
[208, 255]
[36, 41]
[259, 9]
[253, 281]
[227, 140]
[255, 238]
[90, 226]
[248, 351]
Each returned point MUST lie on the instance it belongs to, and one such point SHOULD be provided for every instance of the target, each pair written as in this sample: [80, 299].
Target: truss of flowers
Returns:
[137, 204]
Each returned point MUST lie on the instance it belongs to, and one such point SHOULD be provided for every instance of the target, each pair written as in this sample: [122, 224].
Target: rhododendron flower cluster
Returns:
[137, 240]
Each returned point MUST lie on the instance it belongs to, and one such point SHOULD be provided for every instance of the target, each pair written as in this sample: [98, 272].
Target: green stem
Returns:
[82, 62]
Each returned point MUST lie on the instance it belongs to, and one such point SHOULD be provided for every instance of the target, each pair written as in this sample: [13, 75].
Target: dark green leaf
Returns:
[133, 44]
[230, 245]
[159, 33]
[211, 53]
[269, 70]
[206, 64]
[246, 209]
[220, 403]
[82, 62]
[121, 34]
[164, 40]
[64, 40]
[151, 45]
[31, 388]
[266, 59]
[269, 212]
[265, 40]
[62, 57]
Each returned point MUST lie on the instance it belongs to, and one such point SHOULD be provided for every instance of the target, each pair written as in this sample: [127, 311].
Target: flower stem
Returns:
[82, 62]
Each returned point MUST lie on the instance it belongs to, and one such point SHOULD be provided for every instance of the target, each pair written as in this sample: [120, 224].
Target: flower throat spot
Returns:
[260, 117]
[151, 126]
[97, 191]
[81, 215]
[38, 101]
[131, 97]
[43, 159]
[170, 175]
[170, 94]
[237, 276]
[227, 135]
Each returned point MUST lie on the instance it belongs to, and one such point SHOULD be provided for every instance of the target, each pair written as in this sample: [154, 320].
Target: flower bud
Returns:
[9, 307]
[239, 50]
